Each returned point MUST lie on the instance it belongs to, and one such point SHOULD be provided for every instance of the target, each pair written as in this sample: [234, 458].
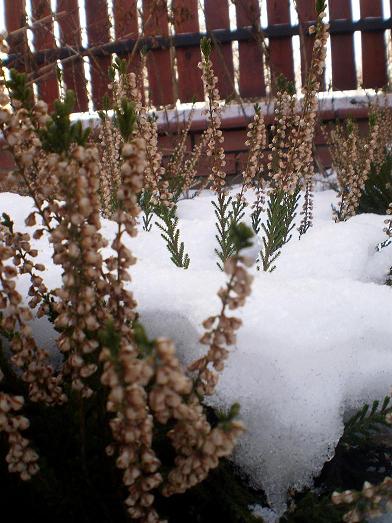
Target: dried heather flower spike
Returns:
[110, 177]
[190, 165]
[370, 503]
[77, 243]
[221, 329]
[256, 142]
[127, 377]
[198, 446]
[154, 183]
[383, 115]
[213, 112]
[252, 175]
[304, 153]
[21, 458]
[24, 260]
[124, 372]
[34, 168]
[352, 158]
[43, 384]
[216, 153]
[176, 173]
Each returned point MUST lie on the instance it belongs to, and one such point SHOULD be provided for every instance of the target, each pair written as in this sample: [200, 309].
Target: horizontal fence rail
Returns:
[254, 42]
[186, 40]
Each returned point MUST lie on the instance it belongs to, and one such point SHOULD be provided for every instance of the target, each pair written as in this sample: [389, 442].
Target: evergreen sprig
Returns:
[60, 133]
[224, 217]
[206, 47]
[281, 212]
[171, 234]
[365, 422]
[320, 6]
[256, 216]
[20, 90]
[241, 236]
[377, 193]
[238, 207]
[125, 118]
[147, 206]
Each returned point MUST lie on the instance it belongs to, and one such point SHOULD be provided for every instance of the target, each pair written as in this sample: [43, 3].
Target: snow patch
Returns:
[316, 338]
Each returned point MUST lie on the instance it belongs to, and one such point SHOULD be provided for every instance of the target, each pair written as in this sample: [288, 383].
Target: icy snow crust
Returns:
[316, 340]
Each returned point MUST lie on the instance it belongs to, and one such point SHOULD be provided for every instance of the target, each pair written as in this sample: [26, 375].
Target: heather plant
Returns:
[141, 384]
[352, 157]
[289, 160]
[290, 156]
[374, 499]
[171, 235]
[377, 191]
[216, 154]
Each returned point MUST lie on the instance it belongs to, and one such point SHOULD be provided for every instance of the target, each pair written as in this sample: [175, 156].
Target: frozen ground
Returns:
[316, 341]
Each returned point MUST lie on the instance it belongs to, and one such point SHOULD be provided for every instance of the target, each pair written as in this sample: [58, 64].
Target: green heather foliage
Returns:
[20, 90]
[310, 508]
[147, 205]
[224, 219]
[171, 235]
[281, 212]
[366, 422]
[125, 118]
[60, 133]
[377, 194]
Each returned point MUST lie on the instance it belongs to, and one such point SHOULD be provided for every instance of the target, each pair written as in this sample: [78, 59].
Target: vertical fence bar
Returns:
[125, 18]
[159, 64]
[281, 49]
[217, 17]
[342, 46]
[252, 81]
[306, 13]
[44, 39]
[15, 18]
[189, 76]
[70, 35]
[126, 26]
[98, 32]
[374, 68]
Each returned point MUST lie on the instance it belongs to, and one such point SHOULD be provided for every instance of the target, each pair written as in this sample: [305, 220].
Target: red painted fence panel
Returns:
[217, 17]
[70, 35]
[126, 26]
[374, 69]
[281, 49]
[252, 82]
[306, 13]
[186, 20]
[98, 31]
[44, 39]
[165, 86]
[159, 63]
[342, 46]
[15, 18]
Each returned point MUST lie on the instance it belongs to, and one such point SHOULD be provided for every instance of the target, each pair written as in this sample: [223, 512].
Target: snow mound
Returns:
[316, 339]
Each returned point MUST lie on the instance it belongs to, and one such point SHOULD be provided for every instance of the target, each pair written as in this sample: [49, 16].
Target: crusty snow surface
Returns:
[316, 340]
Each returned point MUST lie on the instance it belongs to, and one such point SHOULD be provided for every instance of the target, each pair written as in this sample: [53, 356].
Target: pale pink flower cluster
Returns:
[214, 135]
